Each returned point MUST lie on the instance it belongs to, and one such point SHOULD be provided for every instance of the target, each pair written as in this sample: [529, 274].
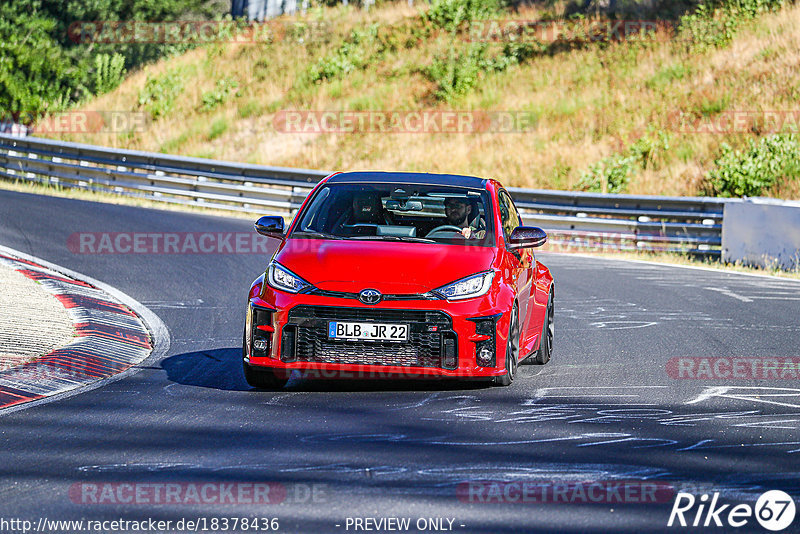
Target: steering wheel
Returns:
[445, 228]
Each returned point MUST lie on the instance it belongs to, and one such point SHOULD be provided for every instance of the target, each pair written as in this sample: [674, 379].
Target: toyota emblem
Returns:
[370, 296]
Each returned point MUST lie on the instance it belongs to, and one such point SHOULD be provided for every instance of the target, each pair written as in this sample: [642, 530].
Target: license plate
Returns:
[367, 331]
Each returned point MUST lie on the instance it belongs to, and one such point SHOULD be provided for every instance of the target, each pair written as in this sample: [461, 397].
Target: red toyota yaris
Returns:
[400, 274]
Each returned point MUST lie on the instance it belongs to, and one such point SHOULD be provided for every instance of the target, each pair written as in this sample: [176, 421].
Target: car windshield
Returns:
[399, 212]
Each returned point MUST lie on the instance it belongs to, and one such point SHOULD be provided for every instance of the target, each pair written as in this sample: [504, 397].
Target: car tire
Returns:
[262, 378]
[512, 350]
[546, 339]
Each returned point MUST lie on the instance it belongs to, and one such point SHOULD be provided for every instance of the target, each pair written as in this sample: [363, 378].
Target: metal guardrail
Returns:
[628, 222]
[572, 219]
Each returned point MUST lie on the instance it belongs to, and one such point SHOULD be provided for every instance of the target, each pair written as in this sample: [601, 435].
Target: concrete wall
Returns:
[762, 232]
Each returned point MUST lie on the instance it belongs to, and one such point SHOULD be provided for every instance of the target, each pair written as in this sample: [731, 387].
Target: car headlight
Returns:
[467, 288]
[282, 278]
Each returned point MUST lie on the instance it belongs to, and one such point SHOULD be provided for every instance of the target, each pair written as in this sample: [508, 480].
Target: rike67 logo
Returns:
[774, 510]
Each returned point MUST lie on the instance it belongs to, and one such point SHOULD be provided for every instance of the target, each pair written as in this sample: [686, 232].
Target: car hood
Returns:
[389, 266]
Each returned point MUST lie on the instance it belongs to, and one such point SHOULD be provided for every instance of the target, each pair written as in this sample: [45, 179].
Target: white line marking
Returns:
[748, 393]
[728, 293]
[751, 399]
[623, 325]
[709, 393]
[770, 424]
[589, 395]
[698, 444]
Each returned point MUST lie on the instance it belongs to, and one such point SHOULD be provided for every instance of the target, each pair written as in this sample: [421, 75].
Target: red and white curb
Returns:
[111, 337]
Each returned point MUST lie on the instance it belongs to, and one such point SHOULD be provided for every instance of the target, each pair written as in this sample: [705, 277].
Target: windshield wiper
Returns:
[405, 238]
[318, 234]
[414, 239]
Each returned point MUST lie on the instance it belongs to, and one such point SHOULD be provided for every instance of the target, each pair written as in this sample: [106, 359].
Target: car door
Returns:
[519, 262]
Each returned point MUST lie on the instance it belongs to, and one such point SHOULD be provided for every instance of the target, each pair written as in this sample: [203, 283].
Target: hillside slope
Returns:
[604, 115]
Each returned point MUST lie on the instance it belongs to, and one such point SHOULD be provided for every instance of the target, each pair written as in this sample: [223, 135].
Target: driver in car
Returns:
[461, 213]
[366, 208]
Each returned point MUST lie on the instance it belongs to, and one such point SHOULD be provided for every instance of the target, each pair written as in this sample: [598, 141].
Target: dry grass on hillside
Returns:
[590, 103]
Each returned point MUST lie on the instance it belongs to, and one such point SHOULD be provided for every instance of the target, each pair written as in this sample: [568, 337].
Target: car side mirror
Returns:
[526, 237]
[270, 226]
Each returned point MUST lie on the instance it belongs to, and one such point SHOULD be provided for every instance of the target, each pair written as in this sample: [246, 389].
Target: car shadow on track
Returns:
[299, 384]
[221, 368]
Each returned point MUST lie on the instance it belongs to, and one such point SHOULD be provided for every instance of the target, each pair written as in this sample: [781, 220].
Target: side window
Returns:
[509, 216]
[313, 218]
[504, 213]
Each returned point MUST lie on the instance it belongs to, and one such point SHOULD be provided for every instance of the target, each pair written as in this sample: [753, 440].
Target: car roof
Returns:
[419, 178]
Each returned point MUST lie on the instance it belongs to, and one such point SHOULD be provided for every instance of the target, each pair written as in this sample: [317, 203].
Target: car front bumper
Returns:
[444, 339]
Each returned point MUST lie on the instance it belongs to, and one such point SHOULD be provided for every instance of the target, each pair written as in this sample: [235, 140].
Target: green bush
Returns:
[750, 8]
[158, 95]
[451, 14]
[49, 62]
[651, 150]
[612, 174]
[109, 72]
[514, 53]
[353, 54]
[752, 171]
[456, 74]
[221, 93]
[714, 23]
[35, 73]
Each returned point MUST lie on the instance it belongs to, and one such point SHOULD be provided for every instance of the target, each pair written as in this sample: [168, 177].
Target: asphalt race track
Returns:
[604, 409]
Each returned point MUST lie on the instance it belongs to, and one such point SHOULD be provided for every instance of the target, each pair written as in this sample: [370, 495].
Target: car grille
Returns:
[305, 338]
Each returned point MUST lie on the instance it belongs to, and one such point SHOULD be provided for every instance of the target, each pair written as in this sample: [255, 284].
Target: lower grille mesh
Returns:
[423, 348]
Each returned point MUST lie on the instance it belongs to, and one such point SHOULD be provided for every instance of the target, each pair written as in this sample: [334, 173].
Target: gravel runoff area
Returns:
[32, 321]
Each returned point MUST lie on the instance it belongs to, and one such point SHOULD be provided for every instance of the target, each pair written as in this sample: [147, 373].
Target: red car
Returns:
[400, 274]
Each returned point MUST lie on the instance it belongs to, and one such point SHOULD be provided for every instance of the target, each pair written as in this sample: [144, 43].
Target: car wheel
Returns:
[546, 343]
[512, 351]
[264, 378]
